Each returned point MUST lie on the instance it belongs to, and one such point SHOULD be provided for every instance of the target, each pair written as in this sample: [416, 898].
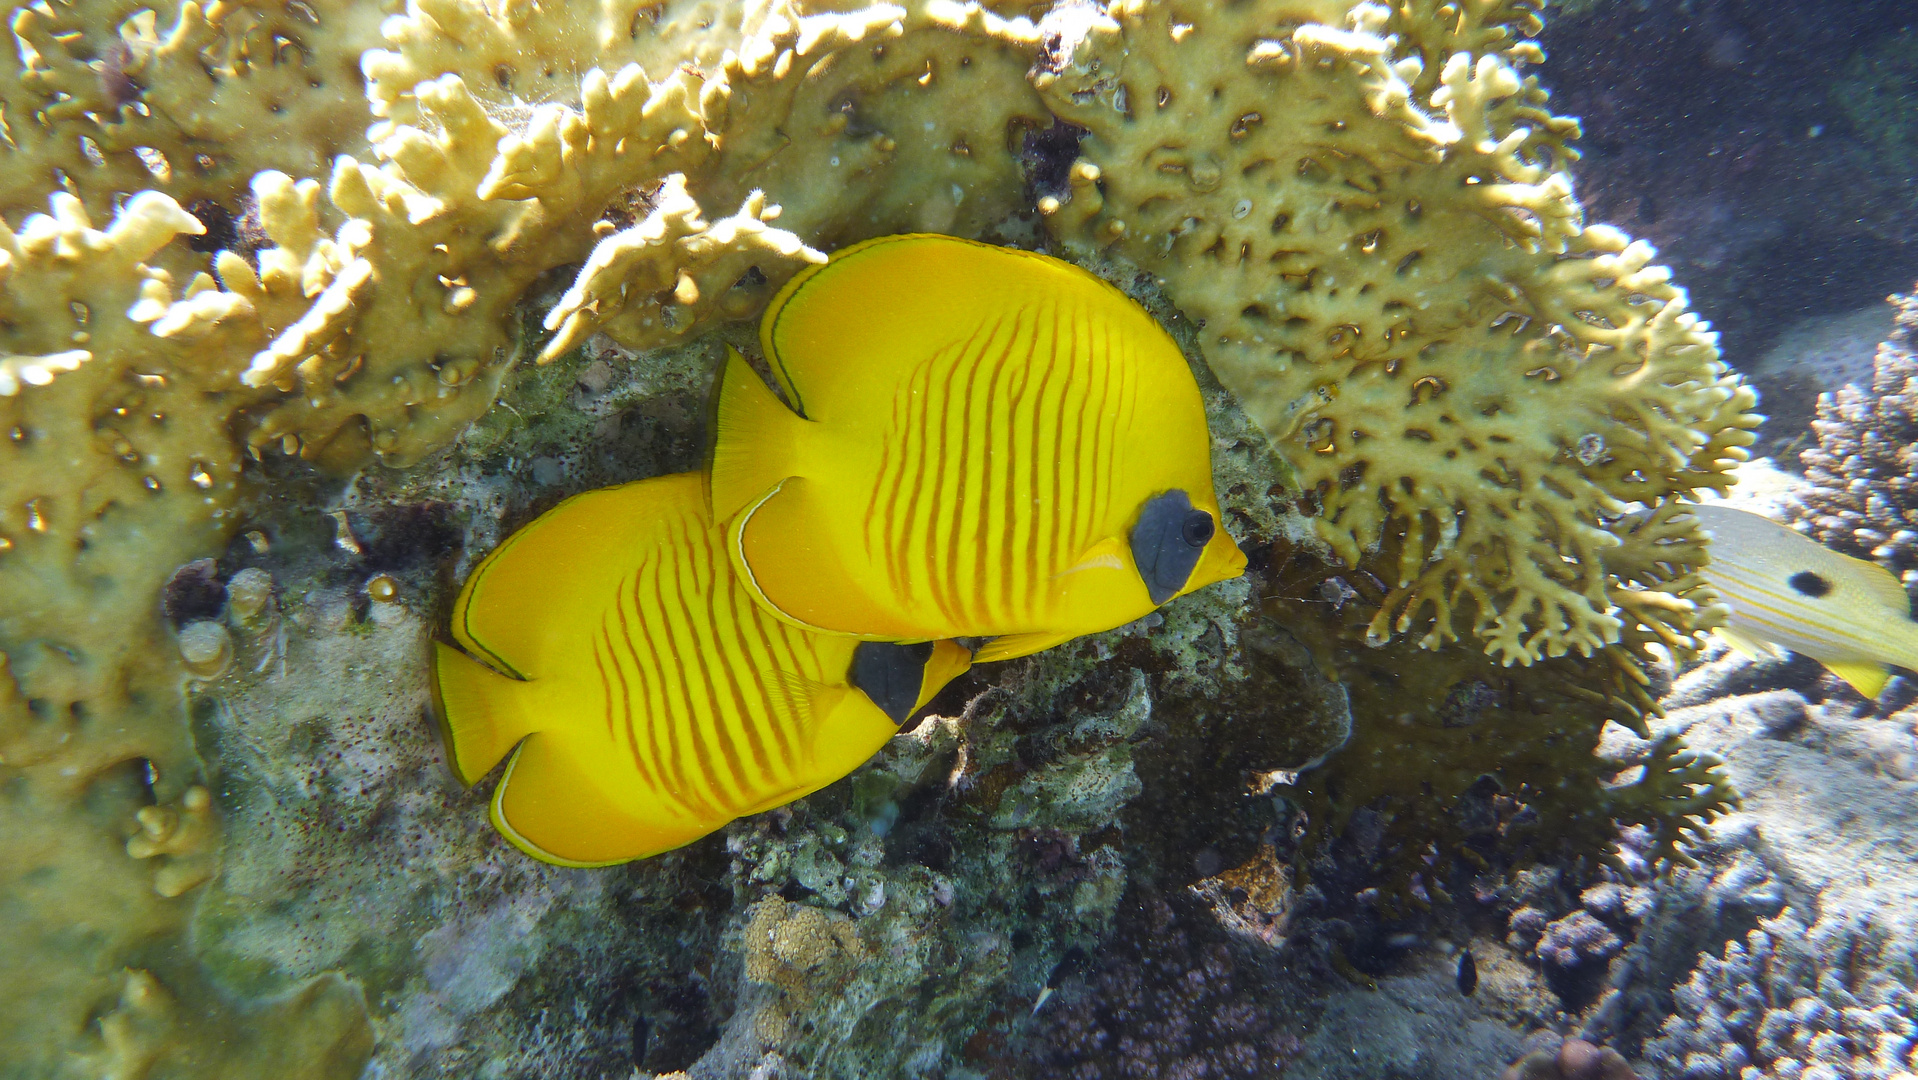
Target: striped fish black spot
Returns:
[1809, 584]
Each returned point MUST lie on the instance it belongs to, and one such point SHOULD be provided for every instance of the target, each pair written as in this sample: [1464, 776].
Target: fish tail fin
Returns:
[1864, 676]
[754, 439]
[482, 714]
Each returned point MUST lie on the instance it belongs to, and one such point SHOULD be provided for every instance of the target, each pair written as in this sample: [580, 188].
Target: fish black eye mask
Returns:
[1167, 542]
[891, 675]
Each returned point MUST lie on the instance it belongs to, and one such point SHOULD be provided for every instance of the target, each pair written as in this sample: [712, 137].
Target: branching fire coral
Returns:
[1367, 208]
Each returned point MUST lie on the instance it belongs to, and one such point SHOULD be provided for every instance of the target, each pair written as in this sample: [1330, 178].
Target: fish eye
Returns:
[1809, 584]
[1197, 529]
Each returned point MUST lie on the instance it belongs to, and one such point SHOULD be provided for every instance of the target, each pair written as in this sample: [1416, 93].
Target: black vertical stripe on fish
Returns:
[618, 699]
[906, 527]
[1045, 500]
[982, 526]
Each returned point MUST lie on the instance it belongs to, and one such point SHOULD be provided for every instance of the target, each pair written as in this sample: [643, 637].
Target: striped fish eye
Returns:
[1197, 530]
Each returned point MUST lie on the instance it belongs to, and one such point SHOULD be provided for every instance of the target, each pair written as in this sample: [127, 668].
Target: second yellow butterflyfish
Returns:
[644, 697]
[981, 443]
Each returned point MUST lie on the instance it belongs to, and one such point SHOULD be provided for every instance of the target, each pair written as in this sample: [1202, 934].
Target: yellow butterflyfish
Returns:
[1785, 589]
[644, 697]
[981, 443]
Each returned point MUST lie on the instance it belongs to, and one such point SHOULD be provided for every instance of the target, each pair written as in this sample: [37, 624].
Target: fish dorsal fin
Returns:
[791, 571]
[1864, 676]
[1881, 585]
[514, 611]
[756, 439]
[548, 806]
[839, 331]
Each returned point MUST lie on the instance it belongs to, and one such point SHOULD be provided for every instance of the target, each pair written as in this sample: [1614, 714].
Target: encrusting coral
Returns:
[1366, 206]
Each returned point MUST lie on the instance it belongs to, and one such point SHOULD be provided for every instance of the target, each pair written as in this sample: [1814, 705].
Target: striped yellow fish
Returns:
[645, 699]
[982, 443]
[1786, 590]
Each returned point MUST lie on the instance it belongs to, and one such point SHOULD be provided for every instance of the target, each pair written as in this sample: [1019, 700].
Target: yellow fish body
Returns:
[982, 443]
[645, 699]
[1787, 590]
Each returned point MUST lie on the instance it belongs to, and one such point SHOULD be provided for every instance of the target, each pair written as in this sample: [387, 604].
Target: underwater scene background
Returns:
[305, 307]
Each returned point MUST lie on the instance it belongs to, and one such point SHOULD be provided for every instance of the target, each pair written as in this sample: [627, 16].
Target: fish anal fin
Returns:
[794, 572]
[1750, 648]
[549, 807]
[481, 713]
[1866, 677]
[755, 439]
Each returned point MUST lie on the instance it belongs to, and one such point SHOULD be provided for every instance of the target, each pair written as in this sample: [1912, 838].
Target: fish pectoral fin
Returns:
[551, 808]
[1864, 676]
[1013, 646]
[1750, 648]
[796, 573]
[1107, 554]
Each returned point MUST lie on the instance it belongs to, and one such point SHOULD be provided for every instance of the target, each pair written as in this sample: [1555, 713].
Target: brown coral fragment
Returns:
[1394, 277]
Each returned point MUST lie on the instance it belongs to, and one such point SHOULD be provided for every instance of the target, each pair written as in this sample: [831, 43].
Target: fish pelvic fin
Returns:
[482, 714]
[1750, 648]
[755, 439]
[1864, 676]
[949, 661]
[1013, 646]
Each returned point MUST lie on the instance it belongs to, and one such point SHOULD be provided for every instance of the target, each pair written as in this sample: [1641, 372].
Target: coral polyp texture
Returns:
[1367, 208]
